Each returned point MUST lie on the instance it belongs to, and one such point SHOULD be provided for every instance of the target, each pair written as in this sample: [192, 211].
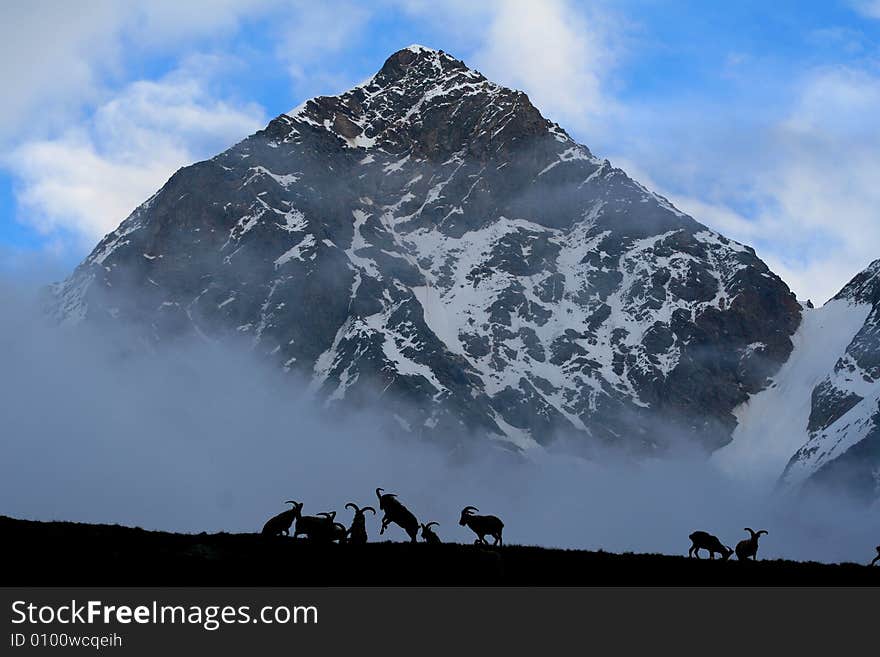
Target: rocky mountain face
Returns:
[842, 444]
[428, 244]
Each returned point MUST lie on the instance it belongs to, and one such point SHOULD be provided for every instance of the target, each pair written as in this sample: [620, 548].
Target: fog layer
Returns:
[202, 437]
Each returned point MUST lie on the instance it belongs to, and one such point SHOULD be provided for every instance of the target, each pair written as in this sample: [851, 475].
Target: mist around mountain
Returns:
[199, 436]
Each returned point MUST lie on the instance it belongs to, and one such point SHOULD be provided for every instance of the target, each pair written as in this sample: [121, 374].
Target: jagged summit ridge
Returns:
[864, 287]
[426, 101]
[427, 243]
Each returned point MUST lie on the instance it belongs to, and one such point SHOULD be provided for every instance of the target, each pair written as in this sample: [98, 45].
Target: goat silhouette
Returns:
[280, 524]
[397, 513]
[482, 525]
[705, 541]
[748, 547]
[429, 535]
[357, 533]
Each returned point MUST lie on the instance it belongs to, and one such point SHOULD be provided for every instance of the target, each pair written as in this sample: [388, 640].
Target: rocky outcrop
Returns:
[843, 433]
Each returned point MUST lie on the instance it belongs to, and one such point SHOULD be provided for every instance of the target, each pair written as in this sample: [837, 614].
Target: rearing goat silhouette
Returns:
[397, 513]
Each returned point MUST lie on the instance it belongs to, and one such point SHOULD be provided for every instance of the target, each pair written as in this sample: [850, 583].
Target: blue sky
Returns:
[760, 119]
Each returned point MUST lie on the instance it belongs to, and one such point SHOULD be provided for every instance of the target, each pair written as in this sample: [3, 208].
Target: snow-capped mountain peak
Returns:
[424, 102]
[429, 244]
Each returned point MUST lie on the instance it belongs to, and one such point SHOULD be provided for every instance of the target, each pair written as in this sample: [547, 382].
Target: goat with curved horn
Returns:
[397, 513]
[357, 533]
[482, 525]
[748, 547]
[280, 524]
[317, 528]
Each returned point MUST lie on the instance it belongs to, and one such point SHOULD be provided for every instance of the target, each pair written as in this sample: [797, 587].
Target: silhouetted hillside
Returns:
[64, 553]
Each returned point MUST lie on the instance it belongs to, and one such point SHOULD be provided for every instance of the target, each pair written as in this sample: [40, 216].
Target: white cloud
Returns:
[103, 144]
[554, 53]
[57, 55]
[869, 8]
[91, 177]
[826, 200]
[51, 50]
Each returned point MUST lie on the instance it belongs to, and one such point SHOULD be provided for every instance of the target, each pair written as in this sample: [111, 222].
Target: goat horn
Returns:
[368, 508]
[379, 492]
[291, 502]
[431, 523]
[749, 530]
[469, 509]
[763, 531]
[353, 506]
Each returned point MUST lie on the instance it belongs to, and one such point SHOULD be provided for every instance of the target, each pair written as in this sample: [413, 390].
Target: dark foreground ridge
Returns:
[74, 554]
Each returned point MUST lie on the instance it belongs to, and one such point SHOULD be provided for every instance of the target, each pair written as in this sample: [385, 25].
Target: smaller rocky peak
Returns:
[864, 287]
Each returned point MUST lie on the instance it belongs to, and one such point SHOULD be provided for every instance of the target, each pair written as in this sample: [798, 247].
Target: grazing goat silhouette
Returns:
[280, 524]
[316, 528]
[705, 541]
[429, 535]
[482, 525]
[357, 533]
[397, 513]
[748, 547]
[877, 558]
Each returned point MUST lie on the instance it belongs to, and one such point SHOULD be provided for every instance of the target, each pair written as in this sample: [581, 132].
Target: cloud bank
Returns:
[93, 175]
[203, 436]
